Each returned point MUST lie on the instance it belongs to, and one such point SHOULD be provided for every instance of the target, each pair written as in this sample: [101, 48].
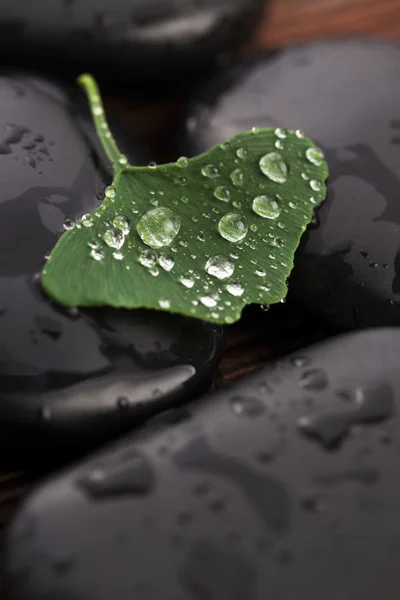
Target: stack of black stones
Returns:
[284, 485]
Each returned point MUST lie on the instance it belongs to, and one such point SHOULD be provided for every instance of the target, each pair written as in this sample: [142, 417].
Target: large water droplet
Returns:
[246, 406]
[237, 177]
[148, 258]
[235, 288]
[267, 206]
[315, 156]
[274, 167]
[210, 171]
[166, 262]
[114, 238]
[122, 223]
[220, 266]
[233, 227]
[158, 227]
[222, 193]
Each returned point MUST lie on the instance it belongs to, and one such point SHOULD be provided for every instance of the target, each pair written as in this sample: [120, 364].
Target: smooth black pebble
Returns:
[346, 96]
[149, 43]
[71, 379]
[283, 485]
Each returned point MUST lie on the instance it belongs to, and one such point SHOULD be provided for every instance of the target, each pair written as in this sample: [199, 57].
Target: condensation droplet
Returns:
[267, 207]
[166, 262]
[274, 167]
[148, 258]
[237, 178]
[315, 185]
[122, 223]
[158, 227]
[315, 156]
[233, 227]
[220, 266]
[235, 288]
[210, 171]
[114, 238]
[222, 193]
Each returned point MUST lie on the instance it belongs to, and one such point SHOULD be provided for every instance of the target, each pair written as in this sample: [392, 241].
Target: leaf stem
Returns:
[88, 83]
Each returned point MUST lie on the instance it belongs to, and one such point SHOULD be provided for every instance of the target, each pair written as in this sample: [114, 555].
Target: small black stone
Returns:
[71, 379]
[314, 523]
[147, 43]
[346, 96]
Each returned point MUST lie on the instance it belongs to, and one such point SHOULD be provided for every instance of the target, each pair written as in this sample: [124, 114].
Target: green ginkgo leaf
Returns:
[202, 237]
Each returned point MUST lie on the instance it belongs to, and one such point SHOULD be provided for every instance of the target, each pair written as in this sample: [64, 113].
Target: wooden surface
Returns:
[258, 337]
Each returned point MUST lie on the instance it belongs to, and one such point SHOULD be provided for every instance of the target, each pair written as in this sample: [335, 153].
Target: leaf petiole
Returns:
[89, 85]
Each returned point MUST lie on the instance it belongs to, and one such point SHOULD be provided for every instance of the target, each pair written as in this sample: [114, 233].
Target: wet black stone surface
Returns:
[283, 485]
[346, 96]
[149, 43]
[70, 379]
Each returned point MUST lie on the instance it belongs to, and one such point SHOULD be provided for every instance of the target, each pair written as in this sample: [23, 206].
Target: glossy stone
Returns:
[145, 42]
[284, 485]
[71, 379]
[346, 96]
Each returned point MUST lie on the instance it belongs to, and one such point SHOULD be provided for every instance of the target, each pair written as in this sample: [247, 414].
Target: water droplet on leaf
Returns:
[87, 220]
[148, 258]
[208, 301]
[274, 167]
[315, 156]
[210, 171]
[267, 207]
[109, 192]
[114, 238]
[220, 266]
[158, 227]
[182, 162]
[235, 288]
[315, 185]
[68, 224]
[122, 223]
[166, 262]
[222, 193]
[233, 227]
[237, 177]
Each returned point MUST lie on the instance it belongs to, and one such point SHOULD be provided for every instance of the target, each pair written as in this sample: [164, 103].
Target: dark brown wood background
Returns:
[258, 337]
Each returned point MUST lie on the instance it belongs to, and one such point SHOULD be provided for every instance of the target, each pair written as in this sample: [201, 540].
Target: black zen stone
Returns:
[71, 379]
[144, 42]
[346, 96]
[284, 485]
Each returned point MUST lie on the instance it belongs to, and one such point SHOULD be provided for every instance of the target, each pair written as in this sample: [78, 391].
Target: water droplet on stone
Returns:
[87, 220]
[315, 156]
[220, 266]
[241, 152]
[114, 238]
[148, 258]
[122, 223]
[235, 288]
[158, 227]
[164, 304]
[267, 207]
[274, 167]
[182, 162]
[315, 185]
[314, 379]
[237, 177]
[210, 171]
[208, 301]
[247, 406]
[69, 224]
[109, 192]
[222, 193]
[233, 227]
[166, 262]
